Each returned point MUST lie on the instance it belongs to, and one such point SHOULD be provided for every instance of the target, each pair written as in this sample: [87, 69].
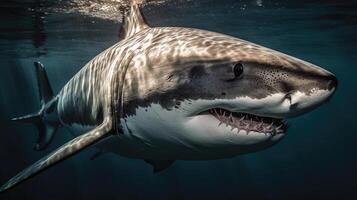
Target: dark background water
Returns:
[316, 160]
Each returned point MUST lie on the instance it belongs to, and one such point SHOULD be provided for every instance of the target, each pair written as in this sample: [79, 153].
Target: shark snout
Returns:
[310, 92]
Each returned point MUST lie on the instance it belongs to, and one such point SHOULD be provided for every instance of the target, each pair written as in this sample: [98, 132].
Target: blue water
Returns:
[316, 160]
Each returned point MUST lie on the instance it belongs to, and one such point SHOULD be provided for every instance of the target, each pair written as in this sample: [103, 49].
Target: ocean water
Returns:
[316, 160]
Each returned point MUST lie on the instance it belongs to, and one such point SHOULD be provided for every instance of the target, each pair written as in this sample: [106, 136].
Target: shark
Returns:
[172, 93]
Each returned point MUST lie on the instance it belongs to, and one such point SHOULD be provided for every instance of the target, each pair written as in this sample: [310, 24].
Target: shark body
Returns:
[168, 93]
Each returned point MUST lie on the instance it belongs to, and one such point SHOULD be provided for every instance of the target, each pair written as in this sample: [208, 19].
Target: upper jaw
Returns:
[276, 105]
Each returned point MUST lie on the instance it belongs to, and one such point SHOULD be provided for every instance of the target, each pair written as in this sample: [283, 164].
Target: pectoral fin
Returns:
[70, 148]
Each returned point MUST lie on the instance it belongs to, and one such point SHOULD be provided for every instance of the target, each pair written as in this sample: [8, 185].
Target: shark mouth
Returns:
[249, 122]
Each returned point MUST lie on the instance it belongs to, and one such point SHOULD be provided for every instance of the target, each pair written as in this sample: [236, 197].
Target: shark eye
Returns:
[238, 69]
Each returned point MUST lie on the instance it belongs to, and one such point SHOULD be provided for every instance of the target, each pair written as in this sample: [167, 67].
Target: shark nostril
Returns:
[288, 97]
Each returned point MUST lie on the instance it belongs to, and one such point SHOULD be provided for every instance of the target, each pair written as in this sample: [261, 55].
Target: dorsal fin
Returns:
[133, 22]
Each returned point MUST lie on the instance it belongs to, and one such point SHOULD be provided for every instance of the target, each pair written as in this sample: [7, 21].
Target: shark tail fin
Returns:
[133, 21]
[46, 127]
[69, 149]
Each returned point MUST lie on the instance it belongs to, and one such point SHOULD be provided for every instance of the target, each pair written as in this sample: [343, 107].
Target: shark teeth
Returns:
[248, 122]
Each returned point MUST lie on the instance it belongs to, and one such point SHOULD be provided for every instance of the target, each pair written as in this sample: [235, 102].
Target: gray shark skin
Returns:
[171, 93]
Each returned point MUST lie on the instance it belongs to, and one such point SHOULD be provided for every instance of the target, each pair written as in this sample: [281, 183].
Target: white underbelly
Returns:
[153, 133]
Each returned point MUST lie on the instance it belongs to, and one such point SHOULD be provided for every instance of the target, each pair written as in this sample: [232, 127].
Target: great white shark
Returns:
[171, 93]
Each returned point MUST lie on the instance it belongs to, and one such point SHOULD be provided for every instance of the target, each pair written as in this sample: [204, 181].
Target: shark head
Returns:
[201, 94]
[210, 91]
